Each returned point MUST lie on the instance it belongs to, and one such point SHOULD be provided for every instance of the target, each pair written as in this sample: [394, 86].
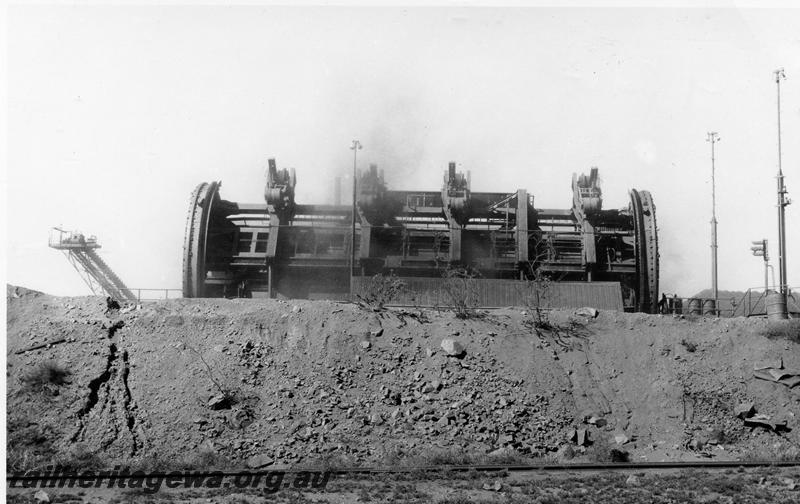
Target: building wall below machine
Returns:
[496, 293]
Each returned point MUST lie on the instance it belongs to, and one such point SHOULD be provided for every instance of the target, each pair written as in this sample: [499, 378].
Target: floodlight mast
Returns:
[355, 147]
[713, 138]
[783, 201]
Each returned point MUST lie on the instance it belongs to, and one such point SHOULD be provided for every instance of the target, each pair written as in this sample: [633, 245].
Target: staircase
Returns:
[80, 252]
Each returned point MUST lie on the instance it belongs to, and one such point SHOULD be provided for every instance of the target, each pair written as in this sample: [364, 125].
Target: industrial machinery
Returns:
[282, 248]
[80, 251]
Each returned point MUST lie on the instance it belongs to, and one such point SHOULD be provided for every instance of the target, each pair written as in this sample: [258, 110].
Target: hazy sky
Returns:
[116, 113]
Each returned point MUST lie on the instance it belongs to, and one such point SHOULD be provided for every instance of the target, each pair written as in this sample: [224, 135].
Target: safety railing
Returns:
[754, 303]
[751, 304]
[709, 307]
[157, 294]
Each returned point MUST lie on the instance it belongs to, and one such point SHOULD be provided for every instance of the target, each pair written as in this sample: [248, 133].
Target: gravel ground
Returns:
[273, 384]
[757, 486]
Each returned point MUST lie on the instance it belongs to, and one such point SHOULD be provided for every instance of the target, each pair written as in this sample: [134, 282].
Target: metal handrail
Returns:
[166, 293]
[697, 306]
[743, 307]
[749, 308]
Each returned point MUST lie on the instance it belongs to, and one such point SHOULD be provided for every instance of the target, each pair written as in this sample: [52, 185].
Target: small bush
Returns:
[81, 458]
[460, 291]
[459, 499]
[619, 455]
[46, 376]
[536, 294]
[338, 461]
[444, 457]
[31, 446]
[603, 450]
[779, 452]
[227, 396]
[451, 457]
[153, 462]
[689, 346]
[784, 329]
[205, 459]
[381, 290]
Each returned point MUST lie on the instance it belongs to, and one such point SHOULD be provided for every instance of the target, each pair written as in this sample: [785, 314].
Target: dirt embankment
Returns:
[316, 380]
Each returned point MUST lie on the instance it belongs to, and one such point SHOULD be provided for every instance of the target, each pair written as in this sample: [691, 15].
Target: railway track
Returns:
[488, 468]
[573, 467]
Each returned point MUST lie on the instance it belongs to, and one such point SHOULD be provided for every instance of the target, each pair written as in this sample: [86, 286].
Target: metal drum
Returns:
[694, 306]
[709, 307]
[776, 306]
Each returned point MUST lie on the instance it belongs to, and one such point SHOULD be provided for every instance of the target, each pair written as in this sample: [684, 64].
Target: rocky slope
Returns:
[268, 382]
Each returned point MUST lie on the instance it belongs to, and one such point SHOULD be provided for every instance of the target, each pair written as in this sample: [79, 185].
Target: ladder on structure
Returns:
[80, 251]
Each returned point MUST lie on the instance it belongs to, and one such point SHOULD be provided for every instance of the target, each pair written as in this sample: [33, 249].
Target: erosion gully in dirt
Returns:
[309, 381]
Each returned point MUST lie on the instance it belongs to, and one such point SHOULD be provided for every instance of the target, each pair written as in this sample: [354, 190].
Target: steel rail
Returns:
[553, 468]
[588, 466]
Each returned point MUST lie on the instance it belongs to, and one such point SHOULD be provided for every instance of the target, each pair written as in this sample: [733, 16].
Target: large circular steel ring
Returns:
[646, 248]
[194, 245]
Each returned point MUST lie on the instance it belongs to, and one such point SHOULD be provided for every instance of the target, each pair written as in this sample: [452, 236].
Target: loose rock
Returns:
[258, 461]
[453, 348]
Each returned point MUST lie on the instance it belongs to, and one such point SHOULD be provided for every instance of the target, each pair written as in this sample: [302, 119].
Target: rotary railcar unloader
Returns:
[282, 248]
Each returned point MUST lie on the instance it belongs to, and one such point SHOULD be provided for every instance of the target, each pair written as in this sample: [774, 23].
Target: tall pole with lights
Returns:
[355, 147]
[713, 138]
[783, 201]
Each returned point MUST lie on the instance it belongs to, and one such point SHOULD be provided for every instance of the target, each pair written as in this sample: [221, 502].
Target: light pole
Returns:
[355, 147]
[782, 200]
[713, 138]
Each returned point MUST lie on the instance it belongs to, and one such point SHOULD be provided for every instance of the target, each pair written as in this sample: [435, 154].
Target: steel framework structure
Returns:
[80, 252]
[285, 249]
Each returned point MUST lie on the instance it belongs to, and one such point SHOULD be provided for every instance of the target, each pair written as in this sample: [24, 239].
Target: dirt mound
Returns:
[263, 382]
[13, 291]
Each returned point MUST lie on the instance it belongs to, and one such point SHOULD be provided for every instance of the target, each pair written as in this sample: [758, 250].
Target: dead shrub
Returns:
[153, 462]
[31, 445]
[227, 396]
[602, 450]
[443, 457]
[537, 292]
[205, 458]
[778, 452]
[458, 499]
[381, 290]
[46, 376]
[536, 296]
[452, 457]
[333, 461]
[783, 329]
[81, 458]
[460, 291]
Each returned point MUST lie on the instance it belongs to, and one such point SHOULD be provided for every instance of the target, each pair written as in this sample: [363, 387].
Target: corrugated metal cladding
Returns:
[494, 293]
